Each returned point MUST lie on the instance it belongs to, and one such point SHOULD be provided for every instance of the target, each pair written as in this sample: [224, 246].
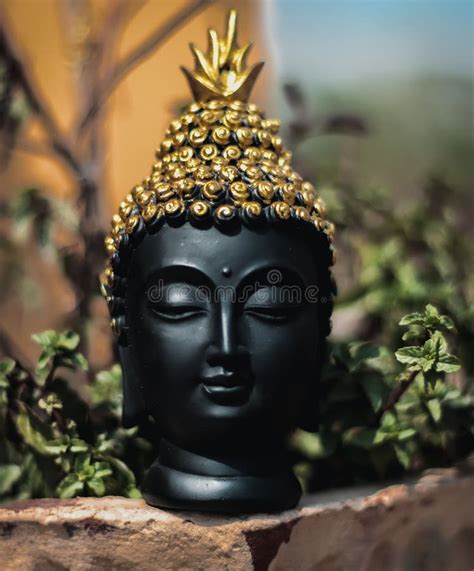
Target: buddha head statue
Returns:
[219, 288]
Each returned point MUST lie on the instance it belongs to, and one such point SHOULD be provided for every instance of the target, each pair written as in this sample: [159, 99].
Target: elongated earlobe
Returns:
[133, 404]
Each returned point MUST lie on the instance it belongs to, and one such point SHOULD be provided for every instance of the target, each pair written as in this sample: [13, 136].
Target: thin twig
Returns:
[140, 53]
[111, 31]
[13, 60]
[397, 394]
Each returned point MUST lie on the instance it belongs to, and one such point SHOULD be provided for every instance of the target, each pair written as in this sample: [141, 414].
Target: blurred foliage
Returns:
[379, 422]
[404, 260]
[34, 221]
[378, 418]
[56, 443]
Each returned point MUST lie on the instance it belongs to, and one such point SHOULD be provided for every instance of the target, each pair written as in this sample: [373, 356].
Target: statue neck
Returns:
[258, 460]
[255, 481]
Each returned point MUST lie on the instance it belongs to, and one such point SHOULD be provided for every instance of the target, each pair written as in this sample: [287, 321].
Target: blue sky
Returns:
[329, 41]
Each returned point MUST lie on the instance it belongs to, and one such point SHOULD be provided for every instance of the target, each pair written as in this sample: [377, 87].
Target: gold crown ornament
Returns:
[221, 161]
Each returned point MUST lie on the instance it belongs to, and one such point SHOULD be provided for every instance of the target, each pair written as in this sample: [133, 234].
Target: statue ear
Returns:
[133, 403]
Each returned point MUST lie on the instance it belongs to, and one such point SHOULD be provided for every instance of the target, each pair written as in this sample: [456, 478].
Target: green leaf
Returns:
[375, 391]
[434, 406]
[57, 446]
[70, 487]
[430, 319]
[409, 355]
[448, 364]
[412, 319]
[78, 445]
[67, 340]
[436, 345]
[104, 472]
[44, 367]
[72, 361]
[83, 463]
[406, 434]
[133, 492]
[361, 353]
[402, 456]
[412, 334]
[58, 351]
[57, 340]
[7, 366]
[436, 322]
[361, 437]
[427, 364]
[80, 362]
[315, 445]
[96, 486]
[34, 431]
[446, 323]
[389, 421]
[106, 390]
[9, 476]
[46, 339]
[122, 469]
[431, 311]
[380, 437]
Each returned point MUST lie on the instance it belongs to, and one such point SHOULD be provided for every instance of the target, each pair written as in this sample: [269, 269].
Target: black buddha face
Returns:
[223, 337]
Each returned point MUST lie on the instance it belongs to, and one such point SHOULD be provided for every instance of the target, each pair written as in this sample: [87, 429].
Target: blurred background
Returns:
[405, 66]
[376, 101]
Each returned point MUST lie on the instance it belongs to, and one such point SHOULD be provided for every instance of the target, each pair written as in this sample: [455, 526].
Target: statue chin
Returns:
[223, 349]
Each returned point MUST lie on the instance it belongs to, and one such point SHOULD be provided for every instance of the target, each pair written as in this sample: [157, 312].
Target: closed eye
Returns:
[177, 312]
[273, 314]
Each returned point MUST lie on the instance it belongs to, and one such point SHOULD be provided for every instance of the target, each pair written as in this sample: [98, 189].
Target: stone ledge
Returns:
[424, 525]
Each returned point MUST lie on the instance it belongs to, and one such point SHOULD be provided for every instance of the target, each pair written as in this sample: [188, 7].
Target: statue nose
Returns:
[226, 349]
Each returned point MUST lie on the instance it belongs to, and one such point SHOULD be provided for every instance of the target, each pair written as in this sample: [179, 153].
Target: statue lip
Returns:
[227, 388]
[226, 380]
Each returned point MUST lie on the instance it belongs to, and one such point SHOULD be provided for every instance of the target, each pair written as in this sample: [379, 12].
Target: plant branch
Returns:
[138, 54]
[397, 393]
[112, 28]
[13, 60]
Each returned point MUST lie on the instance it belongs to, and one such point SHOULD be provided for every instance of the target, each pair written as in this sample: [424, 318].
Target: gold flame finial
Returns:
[221, 73]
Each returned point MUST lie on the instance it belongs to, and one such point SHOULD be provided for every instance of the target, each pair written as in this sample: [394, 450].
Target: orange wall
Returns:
[137, 115]
[139, 110]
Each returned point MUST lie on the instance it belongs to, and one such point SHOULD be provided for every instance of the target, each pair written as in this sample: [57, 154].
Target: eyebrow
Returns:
[275, 275]
[177, 273]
